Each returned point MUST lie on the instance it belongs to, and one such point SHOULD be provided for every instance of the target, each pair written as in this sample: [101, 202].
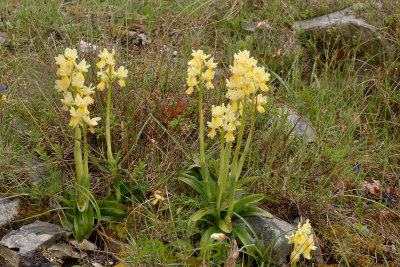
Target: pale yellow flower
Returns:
[121, 74]
[303, 242]
[210, 64]
[101, 85]
[212, 134]
[218, 236]
[60, 59]
[82, 66]
[87, 91]
[208, 75]
[157, 197]
[68, 101]
[103, 56]
[261, 100]
[62, 85]
[229, 137]
[71, 54]
[78, 80]
[91, 122]
[76, 116]
[83, 102]
[196, 66]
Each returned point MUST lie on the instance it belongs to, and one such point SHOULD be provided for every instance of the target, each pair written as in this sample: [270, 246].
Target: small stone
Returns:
[9, 208]
[37, 171]
[84, 245]
[30, 237]
[294, 123]
[63, 250]
[2, 39]
[114, 246]
[9, 257]
[270, 231]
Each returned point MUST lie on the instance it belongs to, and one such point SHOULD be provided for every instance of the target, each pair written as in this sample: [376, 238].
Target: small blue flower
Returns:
[3, 88]
[358, 168]
[390, 198]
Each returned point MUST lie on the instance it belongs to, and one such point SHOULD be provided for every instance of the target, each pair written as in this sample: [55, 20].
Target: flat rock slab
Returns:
[350, 28]
[9, 209]
[270, 231]
[29, 237]
[295, 124]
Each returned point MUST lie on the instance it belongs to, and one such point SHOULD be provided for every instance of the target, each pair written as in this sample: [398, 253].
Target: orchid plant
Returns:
[222, 189]
[77, 98]
[108, 76]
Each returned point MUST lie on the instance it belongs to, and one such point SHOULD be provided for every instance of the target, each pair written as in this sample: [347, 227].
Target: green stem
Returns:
[108, 134]
[235, 176]
[249, 138]
[221, 188]
[78, 155]
[240, 137]
[86, 178]
[81, 203]
[226, 174]
[203, 166]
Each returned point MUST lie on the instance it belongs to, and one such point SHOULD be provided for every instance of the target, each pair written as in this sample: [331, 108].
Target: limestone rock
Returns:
[270, 231]
[294, 123]
[9, 257]
[9, 209]
[351, 29]
[29, 237]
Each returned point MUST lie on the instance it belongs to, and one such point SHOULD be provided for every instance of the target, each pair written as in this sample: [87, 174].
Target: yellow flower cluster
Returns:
[197, 65]
[247, 79]
[76, 94]
[107, 72]
[303, 242]
[224, 117]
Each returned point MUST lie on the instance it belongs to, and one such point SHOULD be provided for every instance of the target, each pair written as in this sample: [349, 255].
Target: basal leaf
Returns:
[247, 201]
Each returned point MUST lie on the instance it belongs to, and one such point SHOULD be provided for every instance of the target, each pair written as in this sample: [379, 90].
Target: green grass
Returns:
[356, 117]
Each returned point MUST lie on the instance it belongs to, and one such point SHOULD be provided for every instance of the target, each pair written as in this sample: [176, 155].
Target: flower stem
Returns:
[81, 203]
[221, 183]
[108, 134]
[249, 138]
[240, 137]
[86, 178]
[203, 166]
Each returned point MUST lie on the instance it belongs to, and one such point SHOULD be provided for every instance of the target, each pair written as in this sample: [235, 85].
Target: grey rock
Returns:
[29, 237]
[295, 124]
[3, 40]
[9, 257]
[270, 231]
[37, 171]
[343, 23]
[114, 246]
[63, 250]
[9, 208]
[84, 245]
